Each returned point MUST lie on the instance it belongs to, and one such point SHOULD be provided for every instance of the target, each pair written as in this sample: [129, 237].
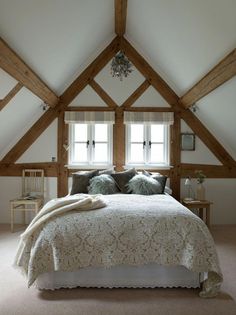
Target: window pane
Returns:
[101, 152]
[136, 153]
[80, 152]
[136, 133]
[157, 133]
[157, 153]
[101, 132]
[81, 132]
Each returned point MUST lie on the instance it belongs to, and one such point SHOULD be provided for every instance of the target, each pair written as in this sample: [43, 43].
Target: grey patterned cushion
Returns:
[158, 177]
[102, 184]
[144, 185]
[80, 181]
[122, 179]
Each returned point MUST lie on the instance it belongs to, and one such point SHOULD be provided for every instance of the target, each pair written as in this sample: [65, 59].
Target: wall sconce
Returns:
[66, 146]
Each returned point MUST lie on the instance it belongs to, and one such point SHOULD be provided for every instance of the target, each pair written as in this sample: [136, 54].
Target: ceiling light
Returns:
[120, 66]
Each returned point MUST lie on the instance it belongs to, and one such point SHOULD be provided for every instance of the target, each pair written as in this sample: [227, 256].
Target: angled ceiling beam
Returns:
[90, 72]
[10, 95]
[221, 73]
[136, 94]
[172, 98]
[18, 69]
[70, 93]
[120, 16]
[149, 73]
[103, 94]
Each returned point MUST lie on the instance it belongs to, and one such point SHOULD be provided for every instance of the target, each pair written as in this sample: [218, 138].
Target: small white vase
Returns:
[200, 192]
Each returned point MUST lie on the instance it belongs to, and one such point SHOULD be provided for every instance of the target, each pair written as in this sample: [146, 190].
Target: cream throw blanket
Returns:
[57, 207]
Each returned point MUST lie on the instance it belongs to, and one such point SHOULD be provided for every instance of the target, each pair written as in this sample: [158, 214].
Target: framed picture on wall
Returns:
[187, 141]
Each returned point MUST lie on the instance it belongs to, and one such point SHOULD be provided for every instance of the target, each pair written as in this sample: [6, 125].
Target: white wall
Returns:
[220, 191]
[10, 188]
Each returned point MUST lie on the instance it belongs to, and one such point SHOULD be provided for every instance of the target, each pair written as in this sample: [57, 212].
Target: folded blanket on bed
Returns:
[56, 207]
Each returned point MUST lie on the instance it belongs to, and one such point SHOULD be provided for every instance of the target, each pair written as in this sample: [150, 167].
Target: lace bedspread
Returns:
[130, 230]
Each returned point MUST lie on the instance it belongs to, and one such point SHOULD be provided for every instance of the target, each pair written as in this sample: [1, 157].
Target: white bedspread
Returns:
[129, 230]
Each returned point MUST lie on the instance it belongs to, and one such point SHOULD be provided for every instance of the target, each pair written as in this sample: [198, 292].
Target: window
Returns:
[90, 144]
[147, 144]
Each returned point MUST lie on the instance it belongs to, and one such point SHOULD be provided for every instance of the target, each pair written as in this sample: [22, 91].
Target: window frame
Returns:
[90, 163]
[147, 151]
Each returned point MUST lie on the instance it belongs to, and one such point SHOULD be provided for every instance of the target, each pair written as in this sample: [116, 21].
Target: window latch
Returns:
[87, 143]
[144, 143]
[93, 143]
[150, 144]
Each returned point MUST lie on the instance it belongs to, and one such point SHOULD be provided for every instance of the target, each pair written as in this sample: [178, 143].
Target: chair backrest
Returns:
[33, 182]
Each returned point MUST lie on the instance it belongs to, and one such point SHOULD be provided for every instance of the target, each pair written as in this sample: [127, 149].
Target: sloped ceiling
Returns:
[181, 39]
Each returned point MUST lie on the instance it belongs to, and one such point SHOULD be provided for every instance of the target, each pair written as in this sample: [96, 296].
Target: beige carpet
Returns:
[17, 299]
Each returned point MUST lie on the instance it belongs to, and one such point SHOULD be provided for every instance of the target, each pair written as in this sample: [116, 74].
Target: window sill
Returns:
[148, 167]
[89, 167]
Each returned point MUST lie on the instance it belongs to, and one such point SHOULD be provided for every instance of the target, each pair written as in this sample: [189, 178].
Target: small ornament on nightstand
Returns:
[188, 184]
[200, 191]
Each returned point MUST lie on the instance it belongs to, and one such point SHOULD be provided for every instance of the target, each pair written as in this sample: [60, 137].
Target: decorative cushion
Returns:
[144, 185]
[102, 184]
[80, 181]
[108, 171]
[122, 179]
[158, 177]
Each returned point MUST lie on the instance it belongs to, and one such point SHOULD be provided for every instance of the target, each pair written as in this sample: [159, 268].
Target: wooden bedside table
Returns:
[200, 205]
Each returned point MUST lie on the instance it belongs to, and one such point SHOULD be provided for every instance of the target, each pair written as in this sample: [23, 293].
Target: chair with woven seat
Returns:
[32, 198]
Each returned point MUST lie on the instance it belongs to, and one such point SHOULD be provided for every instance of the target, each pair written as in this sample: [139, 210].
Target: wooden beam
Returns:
[30, 136]
[103, 94]
[62, 156]
[211, 171]
[90, 72]
[149, 109]
[207, 138]
[149, 73]
[221, 73]
[136, 94]
[71, 92]
[162, 87]
[119, 140]
[10, 95]
[175, 157]
[50, 168]
[89, 109]
[120, 16]
[18, 69]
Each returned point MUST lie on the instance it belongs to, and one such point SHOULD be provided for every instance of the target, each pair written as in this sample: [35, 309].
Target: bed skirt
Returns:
[147, 276]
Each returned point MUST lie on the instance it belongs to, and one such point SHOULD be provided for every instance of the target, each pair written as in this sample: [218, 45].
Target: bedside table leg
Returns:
[201, 213]
[208, 216]
[12, 219]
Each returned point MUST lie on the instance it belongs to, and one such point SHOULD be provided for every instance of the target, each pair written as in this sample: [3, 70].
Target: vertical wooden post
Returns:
[62, 156]
[119, 140]
[175, 157]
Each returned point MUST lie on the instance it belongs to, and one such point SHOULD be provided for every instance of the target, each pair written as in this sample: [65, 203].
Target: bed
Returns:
[132, 241]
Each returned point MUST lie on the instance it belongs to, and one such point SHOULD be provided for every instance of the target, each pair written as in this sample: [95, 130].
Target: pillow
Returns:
[158, 177]
[144, 185]
[108, 171]
[80, 181]
[102, 184]
[122, 178]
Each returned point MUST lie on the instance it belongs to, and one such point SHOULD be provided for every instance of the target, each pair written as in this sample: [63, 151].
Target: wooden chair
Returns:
[32, 198]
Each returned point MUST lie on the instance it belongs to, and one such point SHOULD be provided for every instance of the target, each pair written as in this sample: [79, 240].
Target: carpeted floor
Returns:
[17, 299]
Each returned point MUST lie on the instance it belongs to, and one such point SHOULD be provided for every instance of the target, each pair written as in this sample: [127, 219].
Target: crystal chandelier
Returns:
[120, 66]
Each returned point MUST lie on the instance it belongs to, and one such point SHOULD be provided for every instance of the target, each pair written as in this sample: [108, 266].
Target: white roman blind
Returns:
[89, 117]
[149, 118]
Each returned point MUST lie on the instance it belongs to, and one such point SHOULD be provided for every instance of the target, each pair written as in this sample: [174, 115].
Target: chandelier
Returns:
[120, 66]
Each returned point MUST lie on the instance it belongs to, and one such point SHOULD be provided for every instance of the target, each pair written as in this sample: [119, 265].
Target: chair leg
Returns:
[12, 219]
